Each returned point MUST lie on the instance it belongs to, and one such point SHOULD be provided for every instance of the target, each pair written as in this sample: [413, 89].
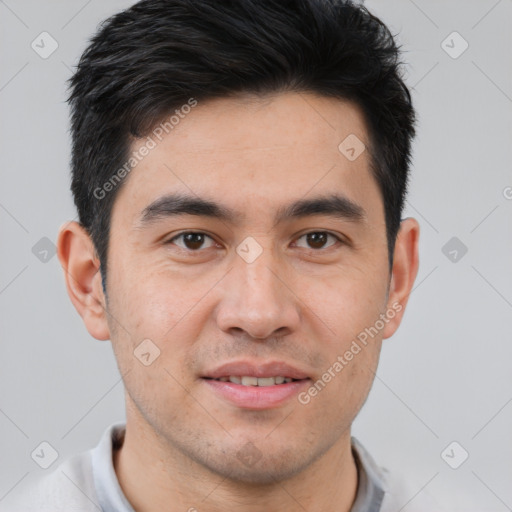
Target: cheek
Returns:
[160, 313]
[156, 326]
[157, 299]
[350, 304]
[338, 395]
[347, 302]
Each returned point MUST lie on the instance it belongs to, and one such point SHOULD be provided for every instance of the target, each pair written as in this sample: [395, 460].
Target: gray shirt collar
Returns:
[370, 489]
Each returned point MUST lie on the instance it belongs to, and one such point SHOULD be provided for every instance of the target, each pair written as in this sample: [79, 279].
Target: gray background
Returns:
[445, 376]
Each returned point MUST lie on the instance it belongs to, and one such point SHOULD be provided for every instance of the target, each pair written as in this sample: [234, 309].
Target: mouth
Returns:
[248, 380]
[257, 386]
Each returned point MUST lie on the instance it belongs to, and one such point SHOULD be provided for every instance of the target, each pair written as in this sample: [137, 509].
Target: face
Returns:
[264, 290]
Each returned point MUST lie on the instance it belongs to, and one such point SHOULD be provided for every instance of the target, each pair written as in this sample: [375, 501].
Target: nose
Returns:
[258, 299]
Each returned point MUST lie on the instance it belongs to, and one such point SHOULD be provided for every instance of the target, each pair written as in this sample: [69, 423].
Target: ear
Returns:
[404, 271]
[79, 261]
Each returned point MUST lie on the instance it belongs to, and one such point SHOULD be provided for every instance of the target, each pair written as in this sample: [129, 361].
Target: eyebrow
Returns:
[171, 205]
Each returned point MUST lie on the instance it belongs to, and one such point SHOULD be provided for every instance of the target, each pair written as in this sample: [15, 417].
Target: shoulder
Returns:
[390, 491]
[403, 493]
[69, 487]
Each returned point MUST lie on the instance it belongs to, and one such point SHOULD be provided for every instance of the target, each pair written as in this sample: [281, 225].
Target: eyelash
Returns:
[171, 240]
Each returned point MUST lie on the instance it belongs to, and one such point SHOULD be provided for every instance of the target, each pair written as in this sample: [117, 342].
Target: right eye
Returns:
[192, 240]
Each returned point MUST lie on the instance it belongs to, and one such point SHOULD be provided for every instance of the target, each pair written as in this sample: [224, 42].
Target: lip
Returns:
[256, 397]
[256, 369]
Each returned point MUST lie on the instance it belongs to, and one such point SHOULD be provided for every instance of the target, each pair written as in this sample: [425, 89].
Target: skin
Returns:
[297, 302]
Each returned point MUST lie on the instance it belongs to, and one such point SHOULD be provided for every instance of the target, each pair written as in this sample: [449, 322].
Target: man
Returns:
[239, 170]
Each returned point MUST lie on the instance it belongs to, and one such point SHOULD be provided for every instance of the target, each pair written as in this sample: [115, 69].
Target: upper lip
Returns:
[256, 369]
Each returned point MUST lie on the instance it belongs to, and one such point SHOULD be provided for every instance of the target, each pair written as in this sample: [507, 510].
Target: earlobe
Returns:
[83, 279]
[404, 272]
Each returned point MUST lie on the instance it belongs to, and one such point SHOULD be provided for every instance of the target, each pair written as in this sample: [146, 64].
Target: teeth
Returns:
[256, 381]
[266, 381]
[249, 381]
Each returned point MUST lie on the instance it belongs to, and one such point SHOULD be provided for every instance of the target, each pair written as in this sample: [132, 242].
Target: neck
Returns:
[155, 476]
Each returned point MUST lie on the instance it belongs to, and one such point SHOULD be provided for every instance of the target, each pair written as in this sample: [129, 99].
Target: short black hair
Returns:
[154, 57]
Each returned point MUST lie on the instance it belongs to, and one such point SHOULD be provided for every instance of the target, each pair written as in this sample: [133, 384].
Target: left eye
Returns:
[318, 239]
[194, 241]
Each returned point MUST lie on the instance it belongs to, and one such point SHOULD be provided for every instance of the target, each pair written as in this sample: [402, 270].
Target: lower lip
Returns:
[257, 397]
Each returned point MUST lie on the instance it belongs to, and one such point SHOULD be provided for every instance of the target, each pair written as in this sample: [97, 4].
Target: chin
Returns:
[262, 473]
[253, 467]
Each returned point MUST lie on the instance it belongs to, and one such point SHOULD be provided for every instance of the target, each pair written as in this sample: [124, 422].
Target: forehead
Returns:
[254, 154]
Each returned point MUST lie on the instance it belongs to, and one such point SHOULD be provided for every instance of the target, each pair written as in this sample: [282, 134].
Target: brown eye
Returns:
[318, 239]
[192, 241]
